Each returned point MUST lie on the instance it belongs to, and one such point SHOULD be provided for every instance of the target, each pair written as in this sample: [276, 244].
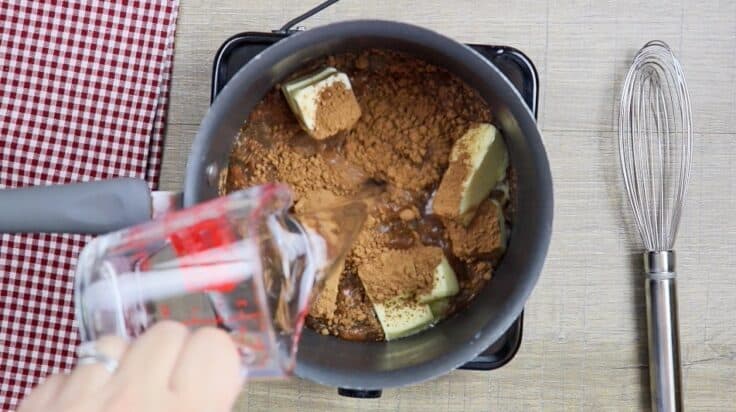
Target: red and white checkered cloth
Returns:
[83, 94]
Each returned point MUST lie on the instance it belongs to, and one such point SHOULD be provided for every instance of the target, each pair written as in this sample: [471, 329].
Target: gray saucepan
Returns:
[374, 365]
[327, 360]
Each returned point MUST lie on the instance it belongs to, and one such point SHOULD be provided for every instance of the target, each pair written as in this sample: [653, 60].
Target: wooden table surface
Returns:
[584, 342]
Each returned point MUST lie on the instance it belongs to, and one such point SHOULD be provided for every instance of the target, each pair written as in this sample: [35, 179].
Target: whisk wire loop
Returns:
[655, 143]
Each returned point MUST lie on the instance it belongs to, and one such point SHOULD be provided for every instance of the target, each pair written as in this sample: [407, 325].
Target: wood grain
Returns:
[584, 337]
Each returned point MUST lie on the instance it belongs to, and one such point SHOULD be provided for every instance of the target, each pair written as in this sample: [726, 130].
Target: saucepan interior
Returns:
[374, 365]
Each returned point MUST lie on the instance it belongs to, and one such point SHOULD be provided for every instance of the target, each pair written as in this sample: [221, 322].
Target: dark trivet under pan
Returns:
[241, 48]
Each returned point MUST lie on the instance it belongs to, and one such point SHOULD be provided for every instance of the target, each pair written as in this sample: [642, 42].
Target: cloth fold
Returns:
[83, 96]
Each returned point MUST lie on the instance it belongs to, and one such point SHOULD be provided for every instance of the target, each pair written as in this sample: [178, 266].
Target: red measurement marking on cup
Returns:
[207, 234]
[165, 311]
[221, 320]
[197, 246]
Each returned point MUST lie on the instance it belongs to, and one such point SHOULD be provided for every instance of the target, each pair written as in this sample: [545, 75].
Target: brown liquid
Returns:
[431, 232]
[400, 235]
[352, 298]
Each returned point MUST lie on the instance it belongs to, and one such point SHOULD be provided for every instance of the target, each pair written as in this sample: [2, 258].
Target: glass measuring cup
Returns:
[239, 262]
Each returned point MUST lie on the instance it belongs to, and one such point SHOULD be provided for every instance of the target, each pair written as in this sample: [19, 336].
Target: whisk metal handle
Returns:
[664, 338]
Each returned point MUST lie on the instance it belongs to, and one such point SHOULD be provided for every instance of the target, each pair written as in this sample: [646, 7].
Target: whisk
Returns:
[655, 149]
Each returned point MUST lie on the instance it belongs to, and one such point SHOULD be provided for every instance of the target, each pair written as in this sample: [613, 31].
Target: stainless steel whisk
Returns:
[655, 149]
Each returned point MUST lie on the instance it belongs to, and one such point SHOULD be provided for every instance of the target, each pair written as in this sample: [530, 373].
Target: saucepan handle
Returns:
[87, 208]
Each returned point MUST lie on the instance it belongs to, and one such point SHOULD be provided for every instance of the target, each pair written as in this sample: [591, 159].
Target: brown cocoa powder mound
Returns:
[400, 273]
[483, 238]
[272, 147]
[303, 172]
[317, 200]
[337, 110]
[325, 303]
[447, 199]
[412, 114]
[426, 259]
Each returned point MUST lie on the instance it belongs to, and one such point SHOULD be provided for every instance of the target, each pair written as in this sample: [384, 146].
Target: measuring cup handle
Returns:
[86, 208]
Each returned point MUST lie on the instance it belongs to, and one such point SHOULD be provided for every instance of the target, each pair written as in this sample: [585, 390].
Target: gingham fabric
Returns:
[83, 94]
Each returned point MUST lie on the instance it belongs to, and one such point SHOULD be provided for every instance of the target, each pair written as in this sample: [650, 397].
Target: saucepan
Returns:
[323, 359]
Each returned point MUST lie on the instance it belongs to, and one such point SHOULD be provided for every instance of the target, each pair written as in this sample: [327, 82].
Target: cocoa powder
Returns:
[337, 110]
[447, 200]
[484, 237]
[411, 113]
[400, 273]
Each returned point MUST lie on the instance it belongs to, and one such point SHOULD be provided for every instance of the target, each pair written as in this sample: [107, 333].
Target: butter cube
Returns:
[444, 283]
[399, 318]
[323, 102]
[440, 308]
[478, 161]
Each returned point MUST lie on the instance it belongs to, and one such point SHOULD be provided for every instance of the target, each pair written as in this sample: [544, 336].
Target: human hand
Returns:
[168, 368]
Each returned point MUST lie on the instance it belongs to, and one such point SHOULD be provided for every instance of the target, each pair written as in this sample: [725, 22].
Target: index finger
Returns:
[208, 370]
